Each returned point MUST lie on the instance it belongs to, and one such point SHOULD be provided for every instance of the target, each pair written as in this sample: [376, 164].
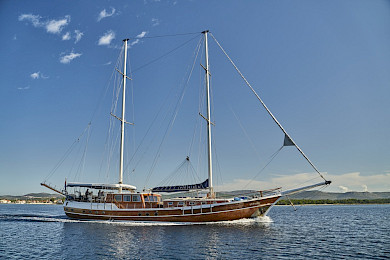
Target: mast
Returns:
[208, 119]
[123, 117]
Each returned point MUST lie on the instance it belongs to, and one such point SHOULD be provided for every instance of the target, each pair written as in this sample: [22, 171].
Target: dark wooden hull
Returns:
[207, 213]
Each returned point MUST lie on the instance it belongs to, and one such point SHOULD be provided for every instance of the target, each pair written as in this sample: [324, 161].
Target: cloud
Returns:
[56, 26]
[34, 19]
[134, 42]
[343, 189]
[107, 38]
[78, 36]
[365, 188]
[20, 88]
[35, 75]
[66, 36]
[38, 75]
[52, 26]
[155, 21]
[141, 35]
[68, 58]
[104, 14]
[346, 182]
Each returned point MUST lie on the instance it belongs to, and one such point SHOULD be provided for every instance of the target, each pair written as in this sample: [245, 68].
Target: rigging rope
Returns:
[270, 160]
[67, 153]
[266, 108]
[164, 55]
[173, 118]
[166, 35]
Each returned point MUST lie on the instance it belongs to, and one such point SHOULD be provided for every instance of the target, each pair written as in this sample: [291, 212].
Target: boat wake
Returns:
[64, 219]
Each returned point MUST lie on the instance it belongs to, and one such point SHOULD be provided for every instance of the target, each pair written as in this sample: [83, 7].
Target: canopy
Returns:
[107, 186]
[178, 188]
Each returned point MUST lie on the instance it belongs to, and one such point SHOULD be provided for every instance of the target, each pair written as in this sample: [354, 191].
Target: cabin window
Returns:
[192, 203]
[151, 198]
[118, 198]
[170, 203]
[127, 198]
[181, 203]
[136, 198]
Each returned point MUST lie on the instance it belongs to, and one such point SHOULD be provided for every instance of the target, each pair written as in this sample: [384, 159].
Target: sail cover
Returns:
[108, 186]
[178, 188]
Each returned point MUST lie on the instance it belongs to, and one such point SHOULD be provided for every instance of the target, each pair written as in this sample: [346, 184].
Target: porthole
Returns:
[139, 214]
[147, 214]
[156, 213]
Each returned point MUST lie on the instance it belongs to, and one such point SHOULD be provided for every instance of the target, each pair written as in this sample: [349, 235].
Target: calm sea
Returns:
[311, 232]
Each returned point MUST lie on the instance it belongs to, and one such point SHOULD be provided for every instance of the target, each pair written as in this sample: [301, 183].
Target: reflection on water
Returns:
[360, 231]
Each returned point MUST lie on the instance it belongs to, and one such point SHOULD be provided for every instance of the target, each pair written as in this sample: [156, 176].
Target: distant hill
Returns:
[320, 195]
[41, 195]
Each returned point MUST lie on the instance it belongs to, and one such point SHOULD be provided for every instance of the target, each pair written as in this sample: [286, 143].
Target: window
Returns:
[126, 198]
[170, 203]
[151, 198]
[181, 203]
[192, 203]
[118, 198]
[136, 198]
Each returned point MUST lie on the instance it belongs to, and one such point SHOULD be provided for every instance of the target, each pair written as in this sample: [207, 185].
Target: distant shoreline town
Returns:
[32, 201]
[32, 198]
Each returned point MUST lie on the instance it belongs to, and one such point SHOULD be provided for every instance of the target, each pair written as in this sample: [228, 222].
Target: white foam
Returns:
[247, 221]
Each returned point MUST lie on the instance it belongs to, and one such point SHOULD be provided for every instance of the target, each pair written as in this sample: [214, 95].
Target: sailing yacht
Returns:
[119, 201]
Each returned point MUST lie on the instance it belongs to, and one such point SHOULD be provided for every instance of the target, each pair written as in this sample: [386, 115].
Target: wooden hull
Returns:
[205, 213]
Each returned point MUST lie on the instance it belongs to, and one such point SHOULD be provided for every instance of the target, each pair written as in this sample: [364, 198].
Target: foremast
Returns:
[120, 181]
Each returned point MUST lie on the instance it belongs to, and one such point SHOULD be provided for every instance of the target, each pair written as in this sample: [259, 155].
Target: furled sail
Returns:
[178, 188]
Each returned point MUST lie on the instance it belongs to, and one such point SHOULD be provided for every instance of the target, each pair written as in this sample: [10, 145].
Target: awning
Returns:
[178, 188]
[107, 186]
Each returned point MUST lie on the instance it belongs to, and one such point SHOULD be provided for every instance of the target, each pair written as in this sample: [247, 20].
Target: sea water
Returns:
[311, 232]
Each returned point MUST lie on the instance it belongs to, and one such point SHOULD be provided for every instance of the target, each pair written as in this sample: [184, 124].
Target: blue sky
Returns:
[322, 67]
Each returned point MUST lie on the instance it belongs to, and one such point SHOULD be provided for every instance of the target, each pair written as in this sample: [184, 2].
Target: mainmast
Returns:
[208, 119]
[123, 116]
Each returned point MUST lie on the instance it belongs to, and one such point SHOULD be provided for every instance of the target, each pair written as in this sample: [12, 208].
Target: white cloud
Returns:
[51, 26]
[155, 21]
[34, 19]
[38, 75]
[105, 14]
[20, 88]
[134, 42]
[66, 36]
[141, 35]
[56, 26]
[107, 38]
[68, 58]
[365, 188]
[78, 36]
[35, 75]
[343, 189]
